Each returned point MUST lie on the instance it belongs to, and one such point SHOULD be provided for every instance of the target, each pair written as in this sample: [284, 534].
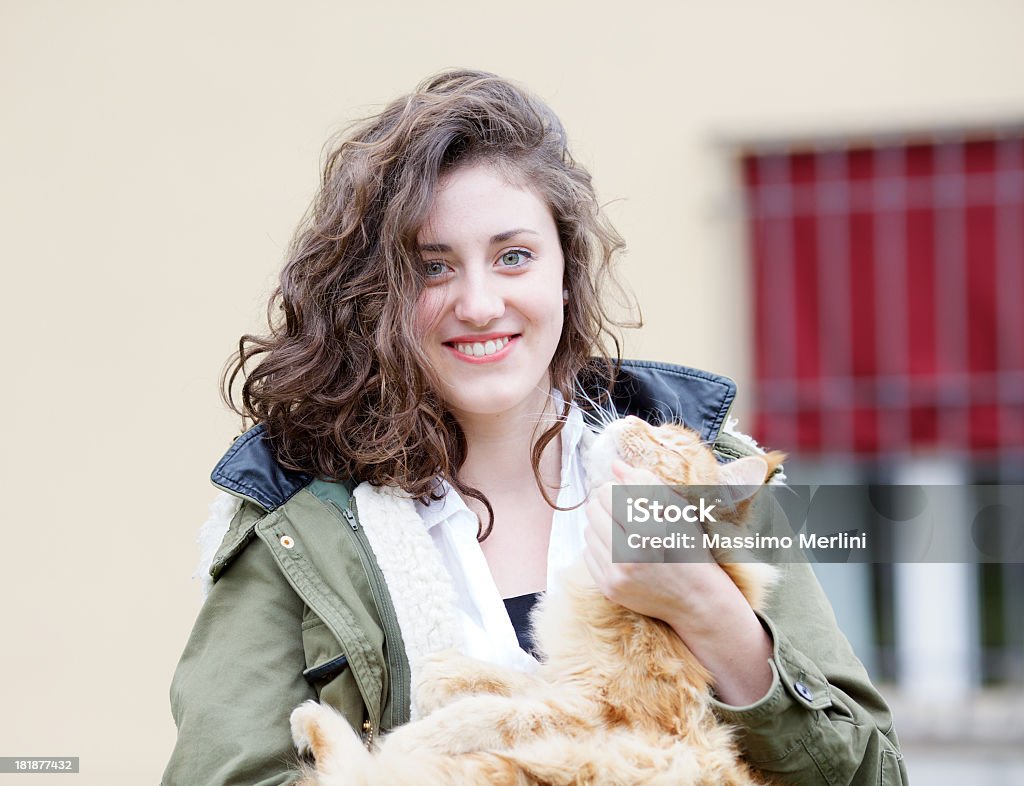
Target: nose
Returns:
[478, 300]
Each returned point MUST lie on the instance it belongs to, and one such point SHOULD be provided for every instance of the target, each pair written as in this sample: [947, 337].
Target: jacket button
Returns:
[287, 542]
[803, 691]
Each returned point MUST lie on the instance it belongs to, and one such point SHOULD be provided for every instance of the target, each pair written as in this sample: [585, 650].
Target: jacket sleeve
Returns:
[822, 721]
[238, 680]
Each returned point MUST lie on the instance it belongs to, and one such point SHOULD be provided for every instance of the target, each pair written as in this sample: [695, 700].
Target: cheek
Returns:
[428, 310]
[558, 318]
[553, 309]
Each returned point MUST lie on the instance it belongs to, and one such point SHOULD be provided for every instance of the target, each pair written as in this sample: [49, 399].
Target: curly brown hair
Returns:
[342, 384]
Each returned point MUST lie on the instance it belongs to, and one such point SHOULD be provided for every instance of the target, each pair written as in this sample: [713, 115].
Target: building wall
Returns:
[155, 158]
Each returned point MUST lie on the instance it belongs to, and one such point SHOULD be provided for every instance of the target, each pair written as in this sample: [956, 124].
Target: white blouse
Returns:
[487, 630]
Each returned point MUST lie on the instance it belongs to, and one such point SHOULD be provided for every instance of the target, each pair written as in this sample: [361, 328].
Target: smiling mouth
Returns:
[481, 349]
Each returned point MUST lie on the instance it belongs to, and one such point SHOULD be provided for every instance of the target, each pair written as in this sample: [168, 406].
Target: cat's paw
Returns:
[446, 676]
[305, 725]
[443, 677]
[319, 730]
[470, 724]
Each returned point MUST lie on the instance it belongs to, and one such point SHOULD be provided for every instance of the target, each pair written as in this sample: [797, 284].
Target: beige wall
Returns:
[154, 159]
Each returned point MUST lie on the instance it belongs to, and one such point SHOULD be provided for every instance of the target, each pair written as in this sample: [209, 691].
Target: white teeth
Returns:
[479, 350]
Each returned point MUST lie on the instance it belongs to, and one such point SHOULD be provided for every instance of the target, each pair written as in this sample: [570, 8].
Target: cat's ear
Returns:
[747, 473]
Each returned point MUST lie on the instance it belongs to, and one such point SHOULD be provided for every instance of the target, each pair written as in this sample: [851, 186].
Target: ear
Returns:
[748, 473]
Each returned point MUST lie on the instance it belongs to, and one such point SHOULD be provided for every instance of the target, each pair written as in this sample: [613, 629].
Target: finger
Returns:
[619, 469]
[601, 497]
[597, 534]
[599, 511]
[598, 540]
[636, 476]
[605, 576]
[594, 567]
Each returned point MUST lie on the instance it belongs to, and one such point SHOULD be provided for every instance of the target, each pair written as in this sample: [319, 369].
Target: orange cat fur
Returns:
[618, 698]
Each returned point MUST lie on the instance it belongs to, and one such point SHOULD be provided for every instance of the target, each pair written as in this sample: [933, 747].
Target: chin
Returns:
[496, 397]
[487, 405]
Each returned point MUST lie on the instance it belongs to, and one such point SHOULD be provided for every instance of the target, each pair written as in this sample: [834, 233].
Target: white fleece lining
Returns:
[211, 534]
[420, 587]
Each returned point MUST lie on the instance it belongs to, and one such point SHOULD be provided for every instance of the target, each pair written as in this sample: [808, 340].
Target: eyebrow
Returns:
[501, 237]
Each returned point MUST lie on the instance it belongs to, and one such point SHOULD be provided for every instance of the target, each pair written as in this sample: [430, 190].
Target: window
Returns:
[889, 286]
[889, 324]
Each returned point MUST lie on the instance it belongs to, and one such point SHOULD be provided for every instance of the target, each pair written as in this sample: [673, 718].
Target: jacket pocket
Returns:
[328, 673]
[325, 671]
[892, 771]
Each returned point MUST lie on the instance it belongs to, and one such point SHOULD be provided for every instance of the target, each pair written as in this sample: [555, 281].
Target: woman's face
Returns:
[492, 311]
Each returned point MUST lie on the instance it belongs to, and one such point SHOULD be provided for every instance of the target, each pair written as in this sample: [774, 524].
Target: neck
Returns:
[499, 447]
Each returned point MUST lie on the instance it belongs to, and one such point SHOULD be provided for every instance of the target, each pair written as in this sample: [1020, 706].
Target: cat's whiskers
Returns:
[598, 414]
[661, 408]
[600, 421]
[545, 416]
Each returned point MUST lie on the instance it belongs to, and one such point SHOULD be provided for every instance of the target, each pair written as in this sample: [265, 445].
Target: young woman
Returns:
[414, 477]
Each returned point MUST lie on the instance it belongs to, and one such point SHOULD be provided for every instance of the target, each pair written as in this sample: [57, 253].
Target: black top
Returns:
[519, 609]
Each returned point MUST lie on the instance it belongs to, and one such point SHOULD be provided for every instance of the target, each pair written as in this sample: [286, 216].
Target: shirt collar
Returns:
[452, 504]
[444, 509]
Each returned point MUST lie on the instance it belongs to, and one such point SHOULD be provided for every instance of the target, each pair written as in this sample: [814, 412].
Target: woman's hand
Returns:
[697, 599]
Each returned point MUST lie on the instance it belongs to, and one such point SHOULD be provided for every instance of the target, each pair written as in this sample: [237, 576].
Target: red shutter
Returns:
[889, 286]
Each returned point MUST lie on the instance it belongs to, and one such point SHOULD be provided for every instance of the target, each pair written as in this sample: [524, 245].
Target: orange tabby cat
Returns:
[618, 698]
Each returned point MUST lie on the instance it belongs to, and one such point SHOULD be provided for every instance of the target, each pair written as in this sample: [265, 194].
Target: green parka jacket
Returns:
[303, 606]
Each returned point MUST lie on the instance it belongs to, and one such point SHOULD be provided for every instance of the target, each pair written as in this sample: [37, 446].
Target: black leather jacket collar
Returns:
[656, 392]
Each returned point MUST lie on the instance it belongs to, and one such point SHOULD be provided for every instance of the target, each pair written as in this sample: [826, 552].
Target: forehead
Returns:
[480, 200]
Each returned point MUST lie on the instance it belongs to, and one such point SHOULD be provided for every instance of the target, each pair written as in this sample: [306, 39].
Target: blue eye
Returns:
[516, 257]
[435, 269]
